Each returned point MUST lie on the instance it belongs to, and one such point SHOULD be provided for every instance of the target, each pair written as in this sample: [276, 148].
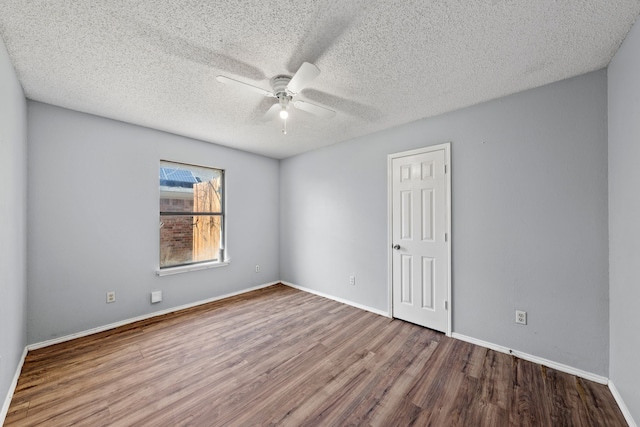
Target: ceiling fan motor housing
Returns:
[279, 85]
[285, 88]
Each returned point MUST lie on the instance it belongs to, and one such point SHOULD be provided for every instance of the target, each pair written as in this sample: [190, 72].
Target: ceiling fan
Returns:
[285, 89]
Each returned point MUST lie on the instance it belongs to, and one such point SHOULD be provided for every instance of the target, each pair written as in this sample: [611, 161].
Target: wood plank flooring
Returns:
[279, 356]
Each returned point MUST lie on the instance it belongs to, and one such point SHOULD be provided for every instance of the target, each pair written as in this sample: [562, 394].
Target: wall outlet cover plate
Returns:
[156, 296]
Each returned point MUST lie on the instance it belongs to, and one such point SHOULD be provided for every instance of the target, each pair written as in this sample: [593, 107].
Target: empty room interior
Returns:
[415, 213]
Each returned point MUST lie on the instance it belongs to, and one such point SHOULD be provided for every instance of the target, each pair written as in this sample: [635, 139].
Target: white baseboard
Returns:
[12, 389]
[622, 405]
[143, 317]
[535, 359]
[343, 301]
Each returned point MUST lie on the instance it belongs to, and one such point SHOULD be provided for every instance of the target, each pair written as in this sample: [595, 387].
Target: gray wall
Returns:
[624, 219]
[93, 221]
[529, 183]
[13, 211]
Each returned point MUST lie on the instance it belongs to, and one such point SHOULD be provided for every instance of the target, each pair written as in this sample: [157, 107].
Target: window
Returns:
[191, 215]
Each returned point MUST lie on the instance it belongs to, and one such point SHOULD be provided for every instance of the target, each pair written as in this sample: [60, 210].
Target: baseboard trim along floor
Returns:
[280, 355]
[143, 317]
[341, 300]
[531, 358]
[622, 405]
[535, 359]
[12, 388]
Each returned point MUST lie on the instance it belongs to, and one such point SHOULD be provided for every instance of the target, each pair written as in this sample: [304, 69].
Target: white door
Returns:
[420, 244]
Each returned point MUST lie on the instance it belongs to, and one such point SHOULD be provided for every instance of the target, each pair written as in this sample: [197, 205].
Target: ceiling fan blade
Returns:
[305, 75]
[272, 112]
[325, 113]
[232, 82]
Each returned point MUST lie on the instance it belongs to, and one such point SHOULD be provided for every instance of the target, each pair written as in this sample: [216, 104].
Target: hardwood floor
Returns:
[279, 356]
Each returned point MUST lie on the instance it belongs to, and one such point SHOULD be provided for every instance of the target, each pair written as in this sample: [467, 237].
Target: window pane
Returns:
[186, 188]
[185, 239]
[207, 196]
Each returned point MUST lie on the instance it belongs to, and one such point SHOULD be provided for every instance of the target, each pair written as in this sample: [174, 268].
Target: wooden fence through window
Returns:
[207, 229]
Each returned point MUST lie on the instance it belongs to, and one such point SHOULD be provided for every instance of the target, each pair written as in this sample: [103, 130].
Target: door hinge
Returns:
[446, 237]
[445, 169]
[446, 305]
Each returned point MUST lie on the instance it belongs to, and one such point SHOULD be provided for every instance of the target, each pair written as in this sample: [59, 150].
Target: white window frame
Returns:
[202, 265]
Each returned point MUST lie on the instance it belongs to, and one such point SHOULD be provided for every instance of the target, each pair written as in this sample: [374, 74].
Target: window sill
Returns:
[194, 267]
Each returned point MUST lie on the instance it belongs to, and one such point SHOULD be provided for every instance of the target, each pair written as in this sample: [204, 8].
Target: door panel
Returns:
[427, 170]
[420, 275]
[407, 279]
[428, 282]
[406, 216]
[427, 214]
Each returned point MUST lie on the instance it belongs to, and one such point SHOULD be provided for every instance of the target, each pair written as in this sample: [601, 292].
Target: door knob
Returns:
[396, 247]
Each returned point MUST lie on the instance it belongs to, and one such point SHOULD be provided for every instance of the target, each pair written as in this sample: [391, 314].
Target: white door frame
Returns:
[447, 153]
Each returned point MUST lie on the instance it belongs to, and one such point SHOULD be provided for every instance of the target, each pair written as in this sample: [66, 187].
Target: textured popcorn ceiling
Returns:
[383, 62]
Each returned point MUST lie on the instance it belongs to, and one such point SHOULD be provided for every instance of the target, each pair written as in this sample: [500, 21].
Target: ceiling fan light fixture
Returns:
[285, 89]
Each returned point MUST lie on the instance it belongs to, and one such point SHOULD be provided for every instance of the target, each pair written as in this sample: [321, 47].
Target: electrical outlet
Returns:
[111, 297]
[257, 268]
[521, 317]
[352, 280]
